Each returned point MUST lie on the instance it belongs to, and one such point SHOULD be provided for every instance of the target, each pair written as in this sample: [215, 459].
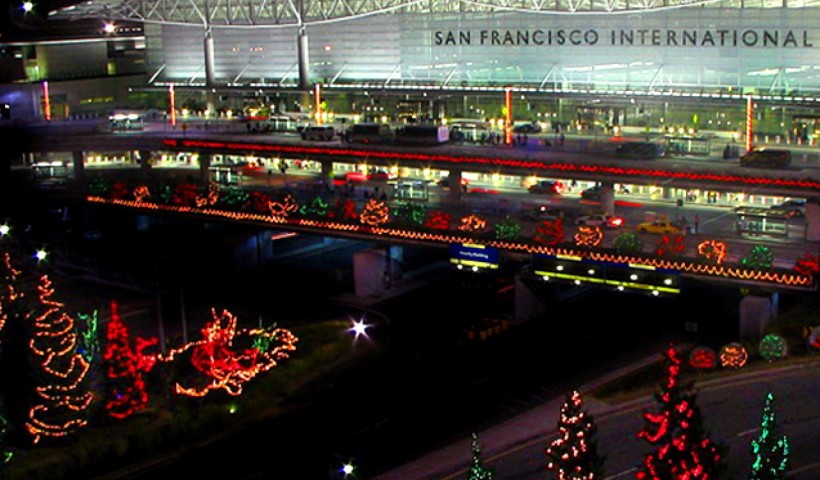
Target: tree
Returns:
[771, 450]
[574, 454]
[60, 401]
[125, 366]
[683, 449]
[477, 469]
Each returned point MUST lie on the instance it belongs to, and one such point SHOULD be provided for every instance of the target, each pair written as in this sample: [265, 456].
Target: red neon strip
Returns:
[559, 167]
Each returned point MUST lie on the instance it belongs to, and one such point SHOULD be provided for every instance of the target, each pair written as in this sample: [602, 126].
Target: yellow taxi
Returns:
[660, 226]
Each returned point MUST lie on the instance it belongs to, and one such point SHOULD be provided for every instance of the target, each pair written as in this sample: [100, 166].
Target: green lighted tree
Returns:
[628, 242]
[477, 469]
[507, 229]
[760, 257]
[770, 451]
[574, 454]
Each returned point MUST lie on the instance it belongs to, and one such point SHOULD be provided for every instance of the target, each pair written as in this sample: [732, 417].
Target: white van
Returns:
[319, 132]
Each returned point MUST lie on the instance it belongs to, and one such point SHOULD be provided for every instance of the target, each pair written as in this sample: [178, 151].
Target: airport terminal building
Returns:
[576, 64]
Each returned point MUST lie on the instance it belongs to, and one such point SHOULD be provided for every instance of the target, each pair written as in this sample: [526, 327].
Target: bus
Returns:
[126, 122]
[370, 133]
[423, 135]
[767, 158]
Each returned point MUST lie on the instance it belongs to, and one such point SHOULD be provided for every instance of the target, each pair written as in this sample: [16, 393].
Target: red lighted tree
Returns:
[60, 402]
[125, 366]
[683, 449]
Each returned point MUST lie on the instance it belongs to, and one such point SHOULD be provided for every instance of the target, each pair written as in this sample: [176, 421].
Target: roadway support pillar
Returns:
[527, 304]
[304, 63]
[145, 162]
[812, 221]
[755, 314]
[376, 270]
[327, 172]
[204, 168]
[78, 163]
[455, 188]
[608, 197]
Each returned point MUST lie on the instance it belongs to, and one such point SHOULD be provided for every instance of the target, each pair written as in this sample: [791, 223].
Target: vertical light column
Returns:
[507, 115]
[171, 101]
[46, 102]
[317, 104]
[750, 110]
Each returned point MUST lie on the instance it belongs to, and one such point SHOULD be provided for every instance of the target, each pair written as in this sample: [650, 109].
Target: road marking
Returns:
[805, 468]
[622, 474]
[747, 432]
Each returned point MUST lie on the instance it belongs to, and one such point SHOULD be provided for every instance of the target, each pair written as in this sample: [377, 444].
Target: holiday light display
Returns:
[628, 242]
[141, 193]
[438, 220]
[573, 455]
[185, 194]
[88, 345]
[210, 198]
[229, 358]
[760, 257]
[550, 232]
[259, 202]
[712, 250]
[477, 469]
[733, 355]
[61, 401]
[770, 451]
[703, 358]
[773, 347]
[317, 207]
[507, 229]
[808, 264]
[120, 191]
[413, 213]
[682, 449]
[284, 207]
[587, 236]
[10, 296]
[814, 338]
[471, 225]
[669, 245]
[125, 368]
[375, 213]
[556, 168]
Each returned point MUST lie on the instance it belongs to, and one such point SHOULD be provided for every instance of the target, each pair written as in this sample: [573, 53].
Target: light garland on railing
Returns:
[791, 278]
[561, 167]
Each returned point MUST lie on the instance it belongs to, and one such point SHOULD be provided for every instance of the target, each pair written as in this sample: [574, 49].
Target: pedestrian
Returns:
[697, 223]
[270, 174]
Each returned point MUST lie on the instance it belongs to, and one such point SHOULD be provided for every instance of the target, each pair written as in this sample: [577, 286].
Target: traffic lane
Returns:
[732, 410]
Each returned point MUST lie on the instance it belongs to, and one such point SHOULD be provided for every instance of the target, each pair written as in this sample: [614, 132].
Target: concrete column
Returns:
[208, 44]
[812, 221]
[145, 162]
[368, 272]
[78, 162]
[204, 168]
[755, 314]
[454, 195]
[327, 172]
[527, 304]
[304, 60]
[608, 197]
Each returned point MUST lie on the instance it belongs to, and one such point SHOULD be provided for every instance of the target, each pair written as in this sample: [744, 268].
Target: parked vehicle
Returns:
[323, 133]
[550, 187]
[370, 133]
[767, 158]
[600, 220]
[592, 193]
[423, 135]
[639, 150]
[529, 127]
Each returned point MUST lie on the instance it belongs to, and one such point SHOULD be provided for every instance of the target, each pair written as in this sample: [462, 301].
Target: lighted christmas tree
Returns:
[574, 454]
[683, 449]
[60, 402]
[477, 469]
[125, 366]
[770, 451]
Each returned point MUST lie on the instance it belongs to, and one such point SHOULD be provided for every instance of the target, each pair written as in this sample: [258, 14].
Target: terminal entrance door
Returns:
[806, 129]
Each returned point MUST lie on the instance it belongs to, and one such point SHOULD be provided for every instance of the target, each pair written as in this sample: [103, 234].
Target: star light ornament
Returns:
[4, 230]
[359, 329]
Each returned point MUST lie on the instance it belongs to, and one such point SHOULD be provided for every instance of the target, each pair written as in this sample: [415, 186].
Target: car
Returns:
[551, 187]
[660, 226]
[545, 212]
[445, 182]
[592, 193]
[531, 127]
[600, 220]
[319, 132]
[380, 175]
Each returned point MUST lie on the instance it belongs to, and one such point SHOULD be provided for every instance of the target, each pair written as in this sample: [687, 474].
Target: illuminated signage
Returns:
[643, 37]
[474, 255]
